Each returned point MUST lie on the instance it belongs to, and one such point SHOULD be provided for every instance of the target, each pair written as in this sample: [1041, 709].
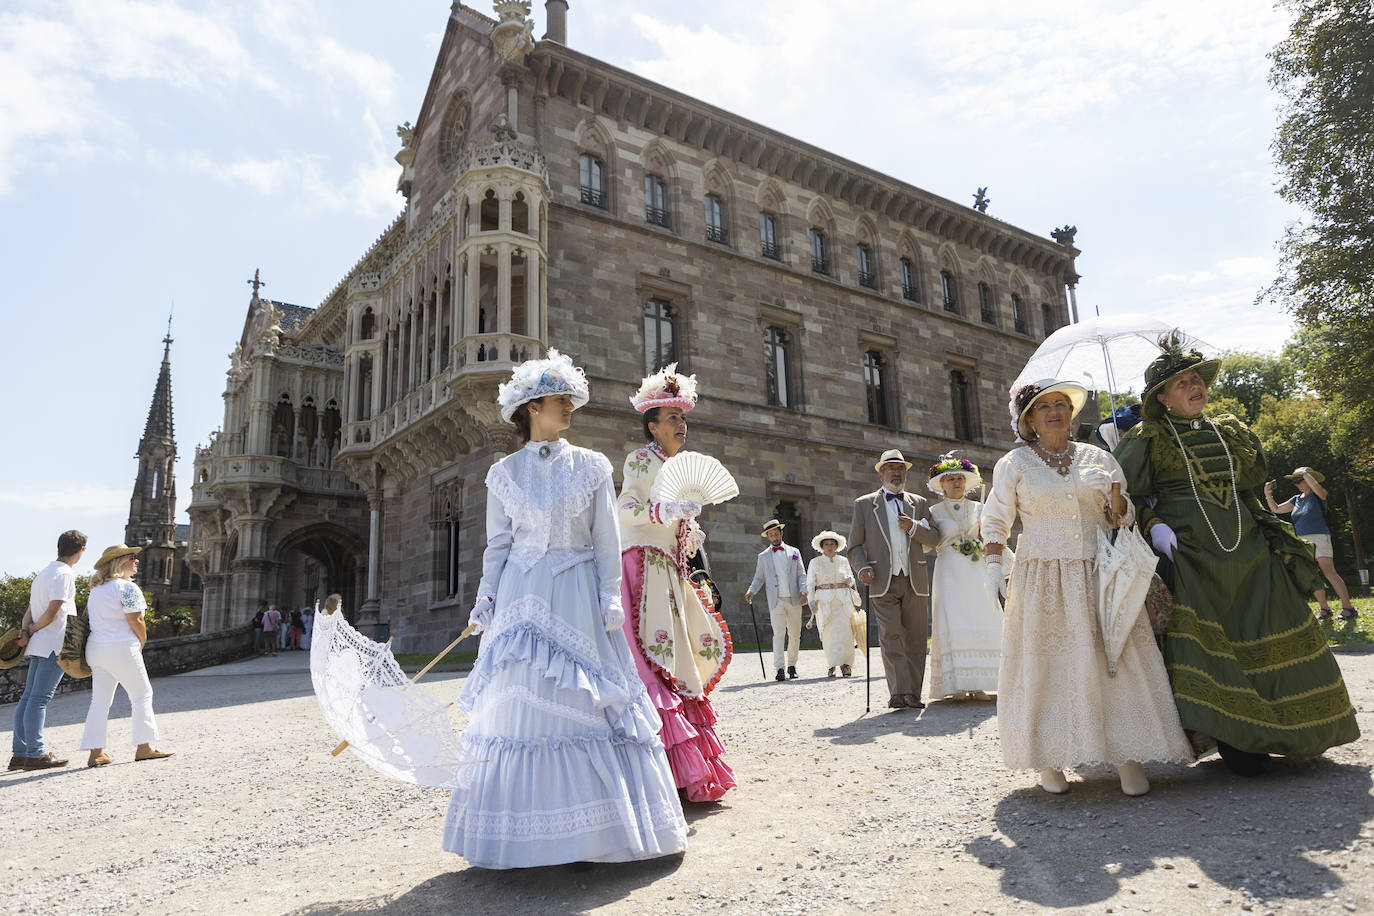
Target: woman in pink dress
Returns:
[680, 642]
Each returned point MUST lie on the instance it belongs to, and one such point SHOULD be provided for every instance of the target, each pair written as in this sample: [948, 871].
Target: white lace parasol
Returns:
[393, 725]
[696, 477]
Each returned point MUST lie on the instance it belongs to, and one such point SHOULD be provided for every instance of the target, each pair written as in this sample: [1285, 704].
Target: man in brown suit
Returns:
[891, 531]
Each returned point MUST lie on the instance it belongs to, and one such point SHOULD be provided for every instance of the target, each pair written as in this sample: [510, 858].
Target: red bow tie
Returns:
[777, 549]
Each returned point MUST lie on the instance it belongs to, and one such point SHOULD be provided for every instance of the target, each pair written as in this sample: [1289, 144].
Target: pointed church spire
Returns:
[159, 425]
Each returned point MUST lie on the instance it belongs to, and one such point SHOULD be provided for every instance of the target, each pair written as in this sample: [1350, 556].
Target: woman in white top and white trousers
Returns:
[115, 653]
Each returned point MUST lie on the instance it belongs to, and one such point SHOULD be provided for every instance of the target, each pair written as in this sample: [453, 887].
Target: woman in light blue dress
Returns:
[571, 766]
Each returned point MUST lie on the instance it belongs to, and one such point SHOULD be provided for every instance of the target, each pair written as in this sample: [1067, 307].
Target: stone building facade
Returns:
[829, 312]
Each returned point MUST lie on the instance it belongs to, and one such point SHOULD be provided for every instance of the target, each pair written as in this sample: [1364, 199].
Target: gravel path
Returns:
[836, 812]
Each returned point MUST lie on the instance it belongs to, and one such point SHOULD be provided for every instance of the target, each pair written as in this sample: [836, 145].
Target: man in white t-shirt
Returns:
[52, 598]
[271, 624]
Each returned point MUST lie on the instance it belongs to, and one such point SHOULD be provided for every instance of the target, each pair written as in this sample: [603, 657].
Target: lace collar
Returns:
[547, 449]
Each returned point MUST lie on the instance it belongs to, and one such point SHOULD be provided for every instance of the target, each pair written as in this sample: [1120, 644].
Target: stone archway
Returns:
[318, 560]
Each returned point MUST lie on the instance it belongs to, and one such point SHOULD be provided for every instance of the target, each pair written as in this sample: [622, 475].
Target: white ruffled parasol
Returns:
[1125, 566]
[384, 718]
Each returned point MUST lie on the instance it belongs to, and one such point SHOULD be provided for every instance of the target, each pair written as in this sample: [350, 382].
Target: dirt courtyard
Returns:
[836, 812]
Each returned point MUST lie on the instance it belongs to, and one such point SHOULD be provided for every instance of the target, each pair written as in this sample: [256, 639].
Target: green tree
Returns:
[1324, 152]
[1247, 377]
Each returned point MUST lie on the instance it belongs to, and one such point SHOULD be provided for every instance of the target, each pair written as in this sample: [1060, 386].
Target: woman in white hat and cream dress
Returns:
[966, 623]
[830, 589]
[1057, 705]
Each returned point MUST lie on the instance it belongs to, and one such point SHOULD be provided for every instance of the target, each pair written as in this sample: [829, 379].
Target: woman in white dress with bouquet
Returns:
[830, 588]
[966, 633]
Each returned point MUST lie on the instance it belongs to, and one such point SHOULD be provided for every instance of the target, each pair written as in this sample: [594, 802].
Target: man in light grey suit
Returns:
[780, 568]
[890, 533]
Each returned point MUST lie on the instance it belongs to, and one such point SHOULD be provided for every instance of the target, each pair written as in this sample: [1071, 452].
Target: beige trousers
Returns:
[902, 632]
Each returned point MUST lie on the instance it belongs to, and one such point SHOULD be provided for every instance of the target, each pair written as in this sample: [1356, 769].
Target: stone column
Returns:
[503, 255]
[370, 612]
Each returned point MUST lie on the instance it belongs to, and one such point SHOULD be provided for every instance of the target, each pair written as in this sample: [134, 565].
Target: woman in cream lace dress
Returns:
[830, 585]
[1057, 705]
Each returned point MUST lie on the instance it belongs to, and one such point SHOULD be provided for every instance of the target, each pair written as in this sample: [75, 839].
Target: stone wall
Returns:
[161, 657]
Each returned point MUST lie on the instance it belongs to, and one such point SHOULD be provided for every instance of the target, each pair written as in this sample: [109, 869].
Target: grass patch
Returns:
[1349, 632]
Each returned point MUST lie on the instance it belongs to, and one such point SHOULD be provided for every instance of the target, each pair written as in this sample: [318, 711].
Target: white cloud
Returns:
[304, 179]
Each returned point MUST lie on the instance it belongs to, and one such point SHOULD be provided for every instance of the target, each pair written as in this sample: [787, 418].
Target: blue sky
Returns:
[158, 151]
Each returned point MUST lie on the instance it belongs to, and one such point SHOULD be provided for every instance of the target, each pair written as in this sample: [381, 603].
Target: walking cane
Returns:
[868, 658]
[758, 640]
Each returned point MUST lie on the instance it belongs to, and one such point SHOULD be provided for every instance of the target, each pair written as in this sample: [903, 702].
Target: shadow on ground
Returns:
[942, 717]
[555, 889]
[1257, 837]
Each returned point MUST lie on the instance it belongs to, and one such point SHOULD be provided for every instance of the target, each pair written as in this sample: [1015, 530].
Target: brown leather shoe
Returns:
[47, 762]
[99, 760]
[897, 702]
[152, 754]
[914, 701]
[19, 763]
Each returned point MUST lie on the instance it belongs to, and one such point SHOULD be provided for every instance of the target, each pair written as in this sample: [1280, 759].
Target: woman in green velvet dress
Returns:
[1248, 663]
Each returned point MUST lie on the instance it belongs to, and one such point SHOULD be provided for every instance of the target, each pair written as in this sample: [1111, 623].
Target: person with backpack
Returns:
[1312, 522]
[257, 627]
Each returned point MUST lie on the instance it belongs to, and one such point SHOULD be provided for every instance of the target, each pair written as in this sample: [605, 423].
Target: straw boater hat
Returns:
[891, 456]
[769, 526]
[1022, 398]
[828, 535]
[668, 388]
[539, 378]
[11, 653]
[1298, 473]
[950, 466]
[1172, 360]
[114, 553]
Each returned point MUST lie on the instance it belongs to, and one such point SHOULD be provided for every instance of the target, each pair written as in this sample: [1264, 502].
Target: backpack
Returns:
[257, 620]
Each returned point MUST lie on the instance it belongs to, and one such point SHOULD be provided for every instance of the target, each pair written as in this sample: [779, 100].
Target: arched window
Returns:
[1018, 314]
[283, 427]
[949, 292]
[768, 236]
[655, 200]
[715, 219]
[1047, 318]
[986, 309]
[820, 251]
[867, 276]
[367, 325]
[910, 287]
[592, 180]
[490, 213]
[520, 214]
[876, 387]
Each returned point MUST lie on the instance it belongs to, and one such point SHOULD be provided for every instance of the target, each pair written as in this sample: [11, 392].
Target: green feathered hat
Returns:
[1172, 360]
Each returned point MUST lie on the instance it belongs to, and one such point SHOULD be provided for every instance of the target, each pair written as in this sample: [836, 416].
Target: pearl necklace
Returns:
[1049, 457]
[1231, 469]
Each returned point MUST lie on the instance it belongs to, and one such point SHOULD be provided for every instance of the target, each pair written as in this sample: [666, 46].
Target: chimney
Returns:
[556, 13]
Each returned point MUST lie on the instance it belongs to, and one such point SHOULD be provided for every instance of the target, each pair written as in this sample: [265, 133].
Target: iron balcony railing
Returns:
[594, 196]
[715, 234]
[656, 215]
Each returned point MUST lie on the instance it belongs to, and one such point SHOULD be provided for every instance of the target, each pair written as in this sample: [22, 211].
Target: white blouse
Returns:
[554, 500]
[1060, 514]
[106, 608]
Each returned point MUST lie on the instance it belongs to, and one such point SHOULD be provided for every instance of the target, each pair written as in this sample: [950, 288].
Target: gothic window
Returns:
[453, 130]
[985, 306]
[877, 387]
[910, 289]
[820, 259]
[367, 325]
[715, 219]
[948, 292]
[867, 277]
[777, 345]
[490, 212]
[451, 549]
[768, 236]
[520, 214]
[283, 427]
[332, 425]
[655, 200]
[152, 487]
[660, 346]
[961, 398]
[1047, 316]
[592, 180]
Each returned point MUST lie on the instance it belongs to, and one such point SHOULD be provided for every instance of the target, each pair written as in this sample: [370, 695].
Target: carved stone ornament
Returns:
[501, 131]
[1064, 235]
[513, 36]
[981, 200]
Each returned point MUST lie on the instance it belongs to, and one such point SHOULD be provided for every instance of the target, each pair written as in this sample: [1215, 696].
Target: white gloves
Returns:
[678, 508]
[994, 584]
[1097, 478]
[1163, 539]
[481, 614]
[612, 615]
